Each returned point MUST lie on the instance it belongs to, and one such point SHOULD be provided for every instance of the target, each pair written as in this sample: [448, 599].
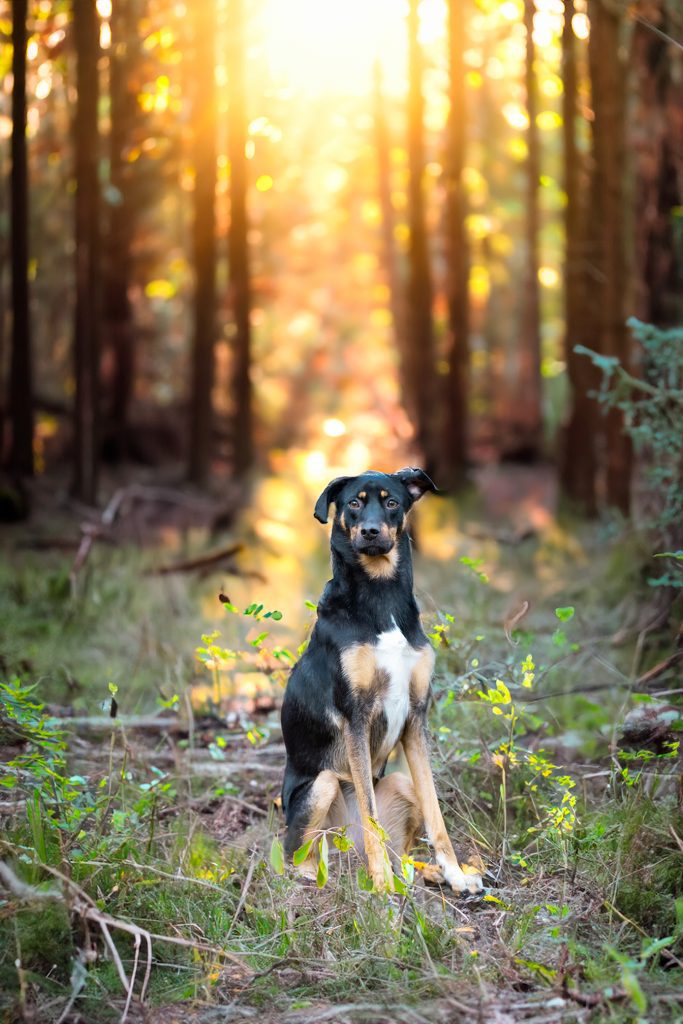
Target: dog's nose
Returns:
[369, 531]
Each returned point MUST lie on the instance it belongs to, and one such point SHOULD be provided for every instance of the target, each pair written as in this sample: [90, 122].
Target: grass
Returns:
[171, 833]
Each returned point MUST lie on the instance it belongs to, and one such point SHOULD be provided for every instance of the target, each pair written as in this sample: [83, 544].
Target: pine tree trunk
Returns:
[529, 396]
[577, 455]
[608, 90]
[420, 340]
[654, 130]
[455, 401]
[20, 456]
[204, 122]
[238, 250]
[383, 149]
[87, 215]
[118, 313]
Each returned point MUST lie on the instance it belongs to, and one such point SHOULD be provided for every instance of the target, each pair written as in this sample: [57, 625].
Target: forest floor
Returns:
[143, 876]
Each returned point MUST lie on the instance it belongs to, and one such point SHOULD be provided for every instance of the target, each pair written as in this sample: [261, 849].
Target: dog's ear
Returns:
[330, 494]
[415, 481]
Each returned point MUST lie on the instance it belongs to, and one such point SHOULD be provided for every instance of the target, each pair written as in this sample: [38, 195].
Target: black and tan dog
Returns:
[363, 685]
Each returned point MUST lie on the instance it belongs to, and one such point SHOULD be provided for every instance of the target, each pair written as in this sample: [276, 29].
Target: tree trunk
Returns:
[530, 396]
[204, 243]
[383, 148]
[20, 456]
[608, 83]
[455, 402]
[238, 251]
[655, 123]
[420, 341]
[118, 313]
[87, 214]
[577, 455]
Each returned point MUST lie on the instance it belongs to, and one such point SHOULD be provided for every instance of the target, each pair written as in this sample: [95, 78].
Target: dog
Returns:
[363, 686]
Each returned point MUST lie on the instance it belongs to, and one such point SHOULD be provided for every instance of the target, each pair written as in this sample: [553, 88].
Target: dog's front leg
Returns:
[357, 744]
[417, 754]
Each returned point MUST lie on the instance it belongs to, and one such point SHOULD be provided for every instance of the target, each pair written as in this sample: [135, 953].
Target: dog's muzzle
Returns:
[373, 540]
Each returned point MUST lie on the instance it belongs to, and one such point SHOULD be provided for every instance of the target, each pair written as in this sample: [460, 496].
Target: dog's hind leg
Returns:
[312, 816]
[399, 815]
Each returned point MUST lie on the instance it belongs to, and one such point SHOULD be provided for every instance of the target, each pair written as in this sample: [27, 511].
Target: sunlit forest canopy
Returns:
[321, 306]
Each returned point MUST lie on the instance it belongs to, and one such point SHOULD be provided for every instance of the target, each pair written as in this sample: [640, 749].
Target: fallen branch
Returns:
[659, 669]
[87, 909]
[209, 561]
[24, 892]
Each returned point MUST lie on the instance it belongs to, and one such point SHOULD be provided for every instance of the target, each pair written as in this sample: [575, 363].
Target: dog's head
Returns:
[371, 508]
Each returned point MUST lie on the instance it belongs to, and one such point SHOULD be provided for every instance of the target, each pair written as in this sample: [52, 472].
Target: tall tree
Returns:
[607, 75]
[238, 249]
[204, 242]
[530, 395]
[454, 446]
[117, 311]
[420, 338]
[383, 149]
[20, 457]
[578, 455]
[655, 121]
[87, 235]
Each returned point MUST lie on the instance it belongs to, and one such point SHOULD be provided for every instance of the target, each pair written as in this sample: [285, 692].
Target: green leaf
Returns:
[364, 880]
[276, 615]
[565, 614]
[377, 828]
[323, 863]
[259, 640]
[606, 363]
[302, 853]
[400, 886]
[635, 992]
[311, 605]
[277, 857]
[656, 945]
[343, 842]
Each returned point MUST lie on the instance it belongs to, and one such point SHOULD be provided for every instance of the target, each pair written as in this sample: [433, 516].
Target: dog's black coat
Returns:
[355, 608]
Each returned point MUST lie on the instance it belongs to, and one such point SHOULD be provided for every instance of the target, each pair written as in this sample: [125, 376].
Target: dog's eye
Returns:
[354, 503]
[392, 503]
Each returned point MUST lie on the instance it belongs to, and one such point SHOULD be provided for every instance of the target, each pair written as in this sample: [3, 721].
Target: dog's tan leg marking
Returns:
[421, 676]
[399, 814]
[325, 792]
[381, 567]
[415, 745]
[358, 753]
[359, 666]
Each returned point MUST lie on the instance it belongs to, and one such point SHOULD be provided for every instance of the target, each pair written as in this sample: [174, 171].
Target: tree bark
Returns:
[420, 341]
[20, 456]
[383, 149]
[577, 455]
[204, 244]
[455, 401]
[656, 140]
[530, 394]
[87, 237]
[238, 249]
[118, 313]
[608, 91]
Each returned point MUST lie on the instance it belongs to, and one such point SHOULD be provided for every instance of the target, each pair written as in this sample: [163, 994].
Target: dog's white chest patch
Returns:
[397, 658]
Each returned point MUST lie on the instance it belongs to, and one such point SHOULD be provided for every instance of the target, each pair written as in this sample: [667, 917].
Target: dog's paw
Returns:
[463, 879]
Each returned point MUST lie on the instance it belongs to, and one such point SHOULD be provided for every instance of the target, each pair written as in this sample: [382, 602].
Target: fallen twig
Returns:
[210, 560]
[659, 669]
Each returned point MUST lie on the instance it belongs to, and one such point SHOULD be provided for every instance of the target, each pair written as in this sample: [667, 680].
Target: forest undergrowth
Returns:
[142, 875]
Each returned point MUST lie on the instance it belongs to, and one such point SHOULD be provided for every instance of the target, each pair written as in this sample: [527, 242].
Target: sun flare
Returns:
[319, 46]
